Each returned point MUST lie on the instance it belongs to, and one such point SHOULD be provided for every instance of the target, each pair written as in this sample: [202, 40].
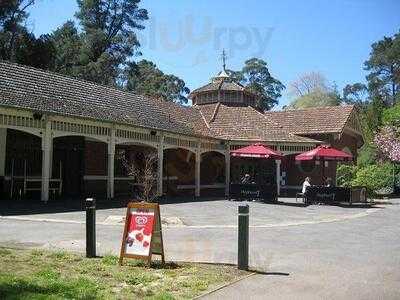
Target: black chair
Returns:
[302, 196]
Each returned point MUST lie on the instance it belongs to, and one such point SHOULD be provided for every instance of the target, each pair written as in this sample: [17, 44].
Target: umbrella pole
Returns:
[323, 171]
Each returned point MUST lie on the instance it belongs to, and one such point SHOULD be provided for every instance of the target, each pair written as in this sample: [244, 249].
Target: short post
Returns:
[90, 227]
[243, 237]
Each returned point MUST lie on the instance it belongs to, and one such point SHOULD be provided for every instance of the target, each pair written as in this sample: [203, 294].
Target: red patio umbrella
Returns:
[324, 153]
[257, 151]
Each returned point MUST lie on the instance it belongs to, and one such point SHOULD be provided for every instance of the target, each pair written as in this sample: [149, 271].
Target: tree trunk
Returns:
[393, 85]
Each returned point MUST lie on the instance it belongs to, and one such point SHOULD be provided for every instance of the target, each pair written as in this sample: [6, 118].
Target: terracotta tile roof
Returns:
[30, 88]
[33, 89]
[330, 119]
[245, 123]
[219, 85]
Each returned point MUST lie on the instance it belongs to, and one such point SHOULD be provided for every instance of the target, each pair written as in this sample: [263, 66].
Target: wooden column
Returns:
[197, 173]
[278, 176]
[47, 145]
[110, 168]
[160, 175]
[227, 171]
[3, 147]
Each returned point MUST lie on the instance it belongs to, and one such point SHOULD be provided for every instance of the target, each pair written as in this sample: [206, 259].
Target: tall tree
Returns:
[308, 83]
[109, 39]
[145, 78]
[313, 90]
[36, 52]
[356, 93]
[384, 67]
[13, 14]
[315, 99]
[256, 77]
[68, 44]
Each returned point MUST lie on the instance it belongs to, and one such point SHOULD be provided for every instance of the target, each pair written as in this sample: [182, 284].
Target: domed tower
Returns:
[224, 89]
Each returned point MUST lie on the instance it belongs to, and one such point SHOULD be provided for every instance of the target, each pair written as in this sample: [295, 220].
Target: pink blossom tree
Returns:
[387, 141]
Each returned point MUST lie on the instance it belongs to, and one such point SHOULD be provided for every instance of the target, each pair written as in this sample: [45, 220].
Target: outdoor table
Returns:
[324, 194]
[250, 191]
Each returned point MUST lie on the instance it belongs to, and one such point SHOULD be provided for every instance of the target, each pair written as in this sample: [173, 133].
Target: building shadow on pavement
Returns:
[358, 205]
[270, 273]
[293, 204]
[31, 207]
[63, 205]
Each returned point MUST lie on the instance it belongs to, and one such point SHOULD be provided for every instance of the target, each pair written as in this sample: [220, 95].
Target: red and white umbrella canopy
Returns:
[325, 152]
[257, 151]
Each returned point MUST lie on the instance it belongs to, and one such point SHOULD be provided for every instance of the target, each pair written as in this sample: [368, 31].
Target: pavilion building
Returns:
[60, 135]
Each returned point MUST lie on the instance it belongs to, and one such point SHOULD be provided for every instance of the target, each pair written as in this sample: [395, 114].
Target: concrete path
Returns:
[353, 259]
[212, 214]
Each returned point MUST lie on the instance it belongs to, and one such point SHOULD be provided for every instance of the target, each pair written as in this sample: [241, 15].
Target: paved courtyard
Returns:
[300, 252]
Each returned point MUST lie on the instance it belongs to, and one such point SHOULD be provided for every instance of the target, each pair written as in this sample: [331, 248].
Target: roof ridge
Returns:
[220, 85]
[204, 118]
[347, 119]
[312, 108]
[215, 112]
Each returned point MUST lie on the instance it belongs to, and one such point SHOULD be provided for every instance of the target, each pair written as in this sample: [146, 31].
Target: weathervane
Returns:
[223, 56]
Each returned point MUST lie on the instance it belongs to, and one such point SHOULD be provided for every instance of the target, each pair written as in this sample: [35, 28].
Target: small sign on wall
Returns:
[142, 235]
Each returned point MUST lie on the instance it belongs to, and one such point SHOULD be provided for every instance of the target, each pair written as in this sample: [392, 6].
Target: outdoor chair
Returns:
[301, 196]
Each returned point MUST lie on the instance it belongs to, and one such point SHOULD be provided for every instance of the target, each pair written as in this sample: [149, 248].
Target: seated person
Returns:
[245, 179]
[306, 184]
[329, 182]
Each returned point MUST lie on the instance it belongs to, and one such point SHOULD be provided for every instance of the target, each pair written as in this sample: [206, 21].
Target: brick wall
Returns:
[95, 158]
[347, 141]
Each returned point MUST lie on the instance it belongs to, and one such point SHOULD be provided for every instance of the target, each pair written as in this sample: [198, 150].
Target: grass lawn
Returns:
[39, 274]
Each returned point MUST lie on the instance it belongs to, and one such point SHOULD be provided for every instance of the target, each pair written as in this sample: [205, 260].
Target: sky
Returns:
[186, 37]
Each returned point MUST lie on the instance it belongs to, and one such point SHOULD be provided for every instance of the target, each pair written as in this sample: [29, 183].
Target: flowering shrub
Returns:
[388, 142]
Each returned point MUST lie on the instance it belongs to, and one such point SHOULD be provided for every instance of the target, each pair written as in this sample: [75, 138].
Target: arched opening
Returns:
[21, 158]
[128, 157]
[179, 172]
[87, 162]
[68, 165]
[212, 174]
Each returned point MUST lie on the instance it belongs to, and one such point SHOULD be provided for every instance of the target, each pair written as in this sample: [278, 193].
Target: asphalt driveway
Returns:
[314, 252]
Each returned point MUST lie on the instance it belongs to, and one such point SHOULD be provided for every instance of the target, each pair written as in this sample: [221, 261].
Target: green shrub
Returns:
[391, 116]
[397, 180]
[345, 175]
[374, 177]
[367, 155]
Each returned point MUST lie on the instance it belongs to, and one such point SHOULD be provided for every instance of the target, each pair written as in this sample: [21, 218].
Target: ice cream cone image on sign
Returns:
[139, 232]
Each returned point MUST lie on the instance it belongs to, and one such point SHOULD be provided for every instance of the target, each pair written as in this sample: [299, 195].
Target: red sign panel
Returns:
[140, 229]
[142, 236]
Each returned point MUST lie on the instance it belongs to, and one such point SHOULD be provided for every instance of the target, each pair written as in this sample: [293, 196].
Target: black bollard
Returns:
[90, 227]
[243, 237]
